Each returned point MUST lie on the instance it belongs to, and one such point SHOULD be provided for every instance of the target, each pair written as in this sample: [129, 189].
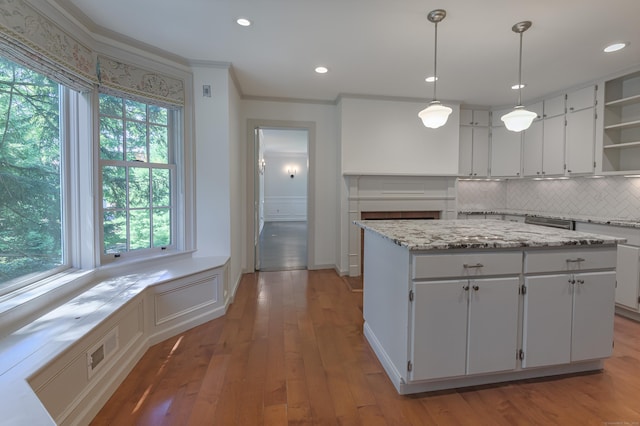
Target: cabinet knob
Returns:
[465, 287]
[572, 282]
[476, 288]
[580, 281]
[537, 173]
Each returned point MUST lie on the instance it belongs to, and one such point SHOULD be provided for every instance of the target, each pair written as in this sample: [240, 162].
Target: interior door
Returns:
[258, 183]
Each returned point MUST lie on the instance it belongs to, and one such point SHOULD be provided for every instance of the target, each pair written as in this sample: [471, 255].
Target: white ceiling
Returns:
[382, 47]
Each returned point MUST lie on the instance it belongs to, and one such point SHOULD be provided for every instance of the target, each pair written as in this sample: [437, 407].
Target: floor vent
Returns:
[102, 351]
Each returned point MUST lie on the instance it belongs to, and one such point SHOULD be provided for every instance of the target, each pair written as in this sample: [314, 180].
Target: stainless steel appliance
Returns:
[551, 222]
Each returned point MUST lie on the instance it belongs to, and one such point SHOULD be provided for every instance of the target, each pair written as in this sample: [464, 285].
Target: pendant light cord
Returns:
[435, 64]
[520, 74]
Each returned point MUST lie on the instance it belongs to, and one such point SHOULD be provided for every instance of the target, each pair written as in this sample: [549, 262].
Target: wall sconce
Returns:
[292, 172]
[261, 165]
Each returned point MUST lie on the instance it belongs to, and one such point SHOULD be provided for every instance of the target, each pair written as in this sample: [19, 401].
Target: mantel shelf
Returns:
[622, 145]
[625, 125]
[624, 101]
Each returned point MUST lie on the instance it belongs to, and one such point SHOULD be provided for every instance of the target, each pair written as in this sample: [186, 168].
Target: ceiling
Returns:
[383, 48]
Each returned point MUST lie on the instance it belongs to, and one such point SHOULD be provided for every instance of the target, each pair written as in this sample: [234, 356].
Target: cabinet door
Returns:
[505, 152]
[466, 151]
[581, 99]
[547, 320]
[493, 325]
[628, 276]
[580, 134]
[532, 150]
[553, 146]
[439, 343]
[554, 106]
[481, 151]
[593, 310]
[481, 118]
[466, 117]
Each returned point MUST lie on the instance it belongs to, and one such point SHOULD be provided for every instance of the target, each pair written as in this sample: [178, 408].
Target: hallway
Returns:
[283, 246]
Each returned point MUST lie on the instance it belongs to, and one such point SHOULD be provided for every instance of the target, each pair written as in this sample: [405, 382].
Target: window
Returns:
[137, 173]
[31, 184]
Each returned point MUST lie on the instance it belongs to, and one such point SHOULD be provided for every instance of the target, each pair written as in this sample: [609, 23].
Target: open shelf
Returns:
[624, 101]
[622, 145]
[625, 125]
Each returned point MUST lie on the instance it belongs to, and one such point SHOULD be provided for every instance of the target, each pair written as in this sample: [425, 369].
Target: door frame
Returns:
[253, 176]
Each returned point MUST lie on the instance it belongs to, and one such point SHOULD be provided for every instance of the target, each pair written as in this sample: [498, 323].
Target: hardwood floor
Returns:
[291, 351]
[283, 246]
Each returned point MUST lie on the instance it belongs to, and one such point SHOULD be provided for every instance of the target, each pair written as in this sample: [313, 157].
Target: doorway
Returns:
[281, 193]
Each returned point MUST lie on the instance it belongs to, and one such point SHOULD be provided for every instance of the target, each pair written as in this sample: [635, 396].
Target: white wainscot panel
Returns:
[63, 383]
[183, 297]
[285, 208]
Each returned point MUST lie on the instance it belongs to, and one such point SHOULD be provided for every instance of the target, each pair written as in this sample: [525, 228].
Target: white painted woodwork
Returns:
[553, 146]
[472, 264]
[554, 106]
[538, 108]
[439, 341]
[505, 152]
[580, 141]
[593, 311]
[474, 143]
[581, 99]
[628, 276]
[569, 260]
[532, 149]
[465, 166]
[493, 325]
[547, 320]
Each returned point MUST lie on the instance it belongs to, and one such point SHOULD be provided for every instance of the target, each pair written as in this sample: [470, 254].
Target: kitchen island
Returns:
[458, 303]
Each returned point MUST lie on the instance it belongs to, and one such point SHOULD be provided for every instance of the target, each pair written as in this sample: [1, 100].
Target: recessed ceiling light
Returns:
[322, 70]
[430, 79]
[243, 22]
[615, 47]
[518, 86]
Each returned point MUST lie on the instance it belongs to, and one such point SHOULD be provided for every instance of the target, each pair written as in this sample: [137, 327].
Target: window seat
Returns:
[47, 373]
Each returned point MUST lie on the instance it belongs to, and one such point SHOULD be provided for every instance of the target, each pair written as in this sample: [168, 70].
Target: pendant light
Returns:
[436, 114]
[519, 119]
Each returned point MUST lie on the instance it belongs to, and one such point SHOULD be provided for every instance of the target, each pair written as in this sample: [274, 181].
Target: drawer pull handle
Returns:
[477, 265]
[579, 259]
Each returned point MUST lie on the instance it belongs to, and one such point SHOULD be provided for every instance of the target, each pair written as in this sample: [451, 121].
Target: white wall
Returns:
[237, 184]
[323, 168]
[285, 198]
[387, 137]
[213, 182]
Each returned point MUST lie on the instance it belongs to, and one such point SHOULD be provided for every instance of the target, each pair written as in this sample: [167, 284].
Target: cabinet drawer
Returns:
[569, 260]
[466, 265]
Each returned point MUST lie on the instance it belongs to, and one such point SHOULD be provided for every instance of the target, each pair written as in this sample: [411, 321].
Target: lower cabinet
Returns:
[568, 318]
[466, 326]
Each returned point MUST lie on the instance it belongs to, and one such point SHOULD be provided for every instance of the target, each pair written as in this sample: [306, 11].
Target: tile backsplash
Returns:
[608, 197]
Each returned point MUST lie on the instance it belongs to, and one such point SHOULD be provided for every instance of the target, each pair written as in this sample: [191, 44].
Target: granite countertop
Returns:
[628, 223]
[478, 234]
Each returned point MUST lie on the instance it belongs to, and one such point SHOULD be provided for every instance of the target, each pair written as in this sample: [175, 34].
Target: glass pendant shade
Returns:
[519, 119]
[435, 115]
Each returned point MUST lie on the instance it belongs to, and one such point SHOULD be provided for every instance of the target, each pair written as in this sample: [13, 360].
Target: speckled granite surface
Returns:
[475, 234]
[628, 223]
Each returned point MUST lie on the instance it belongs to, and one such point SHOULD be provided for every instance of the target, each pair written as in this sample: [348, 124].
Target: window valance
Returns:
[119, 78]
[31, 39]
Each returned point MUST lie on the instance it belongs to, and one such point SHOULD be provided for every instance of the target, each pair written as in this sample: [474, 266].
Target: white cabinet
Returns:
[621, 136]
[580, 130]
[628, 276]
[568, 318]
[543, 141]
[554, 145]
[474, 143]
[506, 148]
[465, 327]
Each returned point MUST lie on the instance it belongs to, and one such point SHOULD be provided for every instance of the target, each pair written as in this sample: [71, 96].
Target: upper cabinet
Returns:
[474, 143]
[621, 138]
[581, 130]
[543, 142]
[506, 148]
